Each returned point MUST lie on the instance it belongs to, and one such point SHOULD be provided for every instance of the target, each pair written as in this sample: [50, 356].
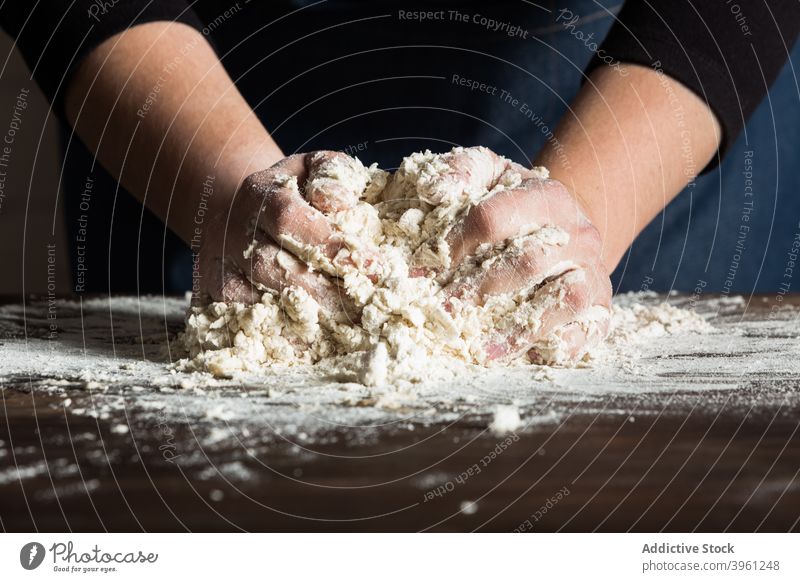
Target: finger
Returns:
[267, 266]
[293, 224]
[336, 181]
[472, 171]
[232, 287]
[574, 339]
[536, 172]
[214, 279]
[581, 297]
[284, 213]
[449, 177]
[511, 213]
[277, 269]
[570, 342]
[525, 264]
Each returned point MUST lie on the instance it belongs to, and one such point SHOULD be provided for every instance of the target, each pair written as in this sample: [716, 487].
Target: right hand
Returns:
[241, 253]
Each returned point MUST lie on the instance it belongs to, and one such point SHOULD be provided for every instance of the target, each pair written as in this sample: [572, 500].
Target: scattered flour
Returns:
[635, 323]
[505, 420]
[111, 359]
[394, 262]
[468, 507]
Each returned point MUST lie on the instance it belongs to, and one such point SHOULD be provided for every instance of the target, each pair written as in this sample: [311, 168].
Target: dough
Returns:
[402, 331]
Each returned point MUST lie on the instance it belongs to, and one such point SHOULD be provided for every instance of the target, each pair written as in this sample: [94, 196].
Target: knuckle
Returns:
[256, 180]
[284, 219]
[484, 220]
[264, 266]
[232, 288]
[578, 296]
[250, 181]
[259, 264]
[528, 263]
[332, 199]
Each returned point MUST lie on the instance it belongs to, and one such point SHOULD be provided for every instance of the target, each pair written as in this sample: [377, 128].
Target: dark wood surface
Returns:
[668, 464]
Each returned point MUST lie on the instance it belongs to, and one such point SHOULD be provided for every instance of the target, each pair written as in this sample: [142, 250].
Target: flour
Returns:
[505, 420]
[394, 262]
[635, 323]
[113, 359]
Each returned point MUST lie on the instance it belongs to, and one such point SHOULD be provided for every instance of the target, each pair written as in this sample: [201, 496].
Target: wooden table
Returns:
[672, 464]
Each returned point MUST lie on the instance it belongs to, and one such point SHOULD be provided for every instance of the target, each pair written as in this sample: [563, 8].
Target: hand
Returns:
[245, 245]
[570, 290]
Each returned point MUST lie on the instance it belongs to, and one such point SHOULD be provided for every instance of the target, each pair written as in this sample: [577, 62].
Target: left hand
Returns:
[570, 281]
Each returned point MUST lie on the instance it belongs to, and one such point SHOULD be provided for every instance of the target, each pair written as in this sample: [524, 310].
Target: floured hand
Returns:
[463, 255]
[556, 261]
[252, 245]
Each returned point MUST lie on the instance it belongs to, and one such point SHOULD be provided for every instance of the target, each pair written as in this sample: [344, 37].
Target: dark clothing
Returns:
[728, 53]
[377, 81]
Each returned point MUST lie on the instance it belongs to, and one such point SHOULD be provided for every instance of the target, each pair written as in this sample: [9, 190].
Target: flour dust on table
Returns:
[116, 359]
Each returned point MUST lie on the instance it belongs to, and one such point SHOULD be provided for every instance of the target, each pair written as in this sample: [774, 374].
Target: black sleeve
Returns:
[728, 53]
[54, 35]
